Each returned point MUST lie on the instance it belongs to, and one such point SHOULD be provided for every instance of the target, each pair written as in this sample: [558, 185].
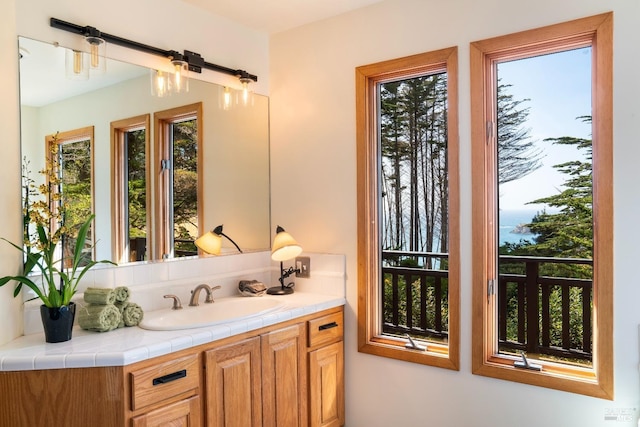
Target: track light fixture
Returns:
[187, 61]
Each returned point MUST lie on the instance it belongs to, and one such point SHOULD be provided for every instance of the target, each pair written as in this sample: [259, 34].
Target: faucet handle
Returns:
[177, 305]
[210, 293]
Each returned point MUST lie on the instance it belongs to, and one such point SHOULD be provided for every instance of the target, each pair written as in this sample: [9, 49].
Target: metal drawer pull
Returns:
[327, 326]
[170, 377]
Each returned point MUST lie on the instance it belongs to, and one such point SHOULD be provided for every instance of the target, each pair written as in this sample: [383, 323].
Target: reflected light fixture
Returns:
[284, 248]
[225, 99]
[211, 241]
[76, 65]
[160, 83]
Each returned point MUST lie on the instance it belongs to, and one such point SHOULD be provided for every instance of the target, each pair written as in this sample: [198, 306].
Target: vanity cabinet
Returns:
[284, 387]
[259, 381]
[234, 380]
[184, 413]
[326, 371]
[284, 375]
[159, 385]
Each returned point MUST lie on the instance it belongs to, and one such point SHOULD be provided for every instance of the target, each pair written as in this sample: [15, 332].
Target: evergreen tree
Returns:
[517, 153]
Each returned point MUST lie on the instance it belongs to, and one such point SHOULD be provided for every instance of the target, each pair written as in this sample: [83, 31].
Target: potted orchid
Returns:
[52, 250]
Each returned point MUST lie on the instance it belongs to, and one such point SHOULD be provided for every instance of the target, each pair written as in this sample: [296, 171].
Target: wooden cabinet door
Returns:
[184, 413]
[284, 386]
[326, 386]
[233, 385]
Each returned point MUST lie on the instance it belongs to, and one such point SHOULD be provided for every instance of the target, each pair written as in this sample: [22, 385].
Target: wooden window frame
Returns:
[162, 231]
[119, 187]
[597, 32]
[71, 136]
[370, 339]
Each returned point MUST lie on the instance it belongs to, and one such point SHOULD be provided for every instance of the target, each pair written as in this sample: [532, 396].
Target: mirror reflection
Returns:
[163, 170]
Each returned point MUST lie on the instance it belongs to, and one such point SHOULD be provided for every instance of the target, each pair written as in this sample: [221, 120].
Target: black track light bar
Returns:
[195, 61]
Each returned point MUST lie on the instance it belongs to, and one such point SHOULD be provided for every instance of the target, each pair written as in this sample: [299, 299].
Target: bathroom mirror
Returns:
[235, 141]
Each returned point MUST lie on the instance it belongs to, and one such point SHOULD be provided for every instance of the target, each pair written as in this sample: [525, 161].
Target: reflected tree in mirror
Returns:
[74, 169]
[185, 187]
[137, 193]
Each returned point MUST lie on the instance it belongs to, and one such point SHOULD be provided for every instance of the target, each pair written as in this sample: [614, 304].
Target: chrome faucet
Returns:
[195, 294]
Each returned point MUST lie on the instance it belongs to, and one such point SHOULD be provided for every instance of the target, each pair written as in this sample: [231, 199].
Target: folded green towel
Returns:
[99, 318]
[121, 306]
[122, 293]
[99, 296]
[131, 312]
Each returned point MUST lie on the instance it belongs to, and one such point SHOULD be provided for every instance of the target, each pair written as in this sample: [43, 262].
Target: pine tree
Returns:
[517, 153]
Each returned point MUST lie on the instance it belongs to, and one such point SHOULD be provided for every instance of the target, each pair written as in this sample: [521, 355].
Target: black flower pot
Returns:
[58, 322]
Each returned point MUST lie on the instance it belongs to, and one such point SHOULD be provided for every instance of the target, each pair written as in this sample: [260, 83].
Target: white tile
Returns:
[123, 275]
[159, 348]
[17, 363]
[201, 337]
[110, 359]
[103, 277]
[181, 343]
[80, 360]
[49, 361]
[135, 355]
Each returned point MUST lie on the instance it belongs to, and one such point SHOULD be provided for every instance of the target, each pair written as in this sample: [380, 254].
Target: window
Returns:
[408, 215]
[564, 362]
[75, 159]
[178, 190]
[131, 215]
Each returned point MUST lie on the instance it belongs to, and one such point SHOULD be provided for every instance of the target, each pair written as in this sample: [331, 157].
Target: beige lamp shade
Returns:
[285, 246]
[210, 243]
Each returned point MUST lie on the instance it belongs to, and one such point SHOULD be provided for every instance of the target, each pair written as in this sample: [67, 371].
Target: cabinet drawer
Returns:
[325, 329]
[164, 380]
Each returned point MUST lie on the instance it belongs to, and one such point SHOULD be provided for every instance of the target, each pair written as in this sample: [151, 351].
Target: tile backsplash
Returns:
[149, 281]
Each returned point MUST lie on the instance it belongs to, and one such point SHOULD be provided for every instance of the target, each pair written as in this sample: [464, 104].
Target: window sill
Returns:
[436, 354]
[556, 376]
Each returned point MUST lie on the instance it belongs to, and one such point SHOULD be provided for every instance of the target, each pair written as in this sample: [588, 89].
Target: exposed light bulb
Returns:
[160, 83]
[180, 76]
[95, 58]
[76, 65]
[77, 62]
[97, 47]
[246, 97]
[226, 98]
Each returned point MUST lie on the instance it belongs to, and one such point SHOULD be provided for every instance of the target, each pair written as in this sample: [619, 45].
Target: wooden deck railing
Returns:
[556, 322]
[421, 308]
[538, 325]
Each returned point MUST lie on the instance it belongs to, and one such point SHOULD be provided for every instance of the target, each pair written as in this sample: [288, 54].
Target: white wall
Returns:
[170, 24]
[10, 228]
[314, 197]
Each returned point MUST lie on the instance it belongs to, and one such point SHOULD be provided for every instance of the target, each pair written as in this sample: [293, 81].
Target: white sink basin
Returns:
[224, 310]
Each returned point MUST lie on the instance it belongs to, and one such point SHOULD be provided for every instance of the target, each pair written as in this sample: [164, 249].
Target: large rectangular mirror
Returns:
[233, 167]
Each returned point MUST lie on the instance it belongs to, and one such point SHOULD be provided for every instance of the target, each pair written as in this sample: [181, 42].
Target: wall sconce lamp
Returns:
[211, 241]
[284, 248]
[182, 62]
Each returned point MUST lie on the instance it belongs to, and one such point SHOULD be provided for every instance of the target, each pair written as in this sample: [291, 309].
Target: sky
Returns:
[559, 89]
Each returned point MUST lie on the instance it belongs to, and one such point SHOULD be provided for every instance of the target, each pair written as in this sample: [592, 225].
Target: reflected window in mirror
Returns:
[237, 143]
[74, 151]
[178, 155]
[130, 182]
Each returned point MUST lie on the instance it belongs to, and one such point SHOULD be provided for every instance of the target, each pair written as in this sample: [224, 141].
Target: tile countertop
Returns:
[129, 345]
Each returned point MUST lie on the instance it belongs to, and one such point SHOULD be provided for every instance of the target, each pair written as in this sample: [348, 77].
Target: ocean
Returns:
[509, 220]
